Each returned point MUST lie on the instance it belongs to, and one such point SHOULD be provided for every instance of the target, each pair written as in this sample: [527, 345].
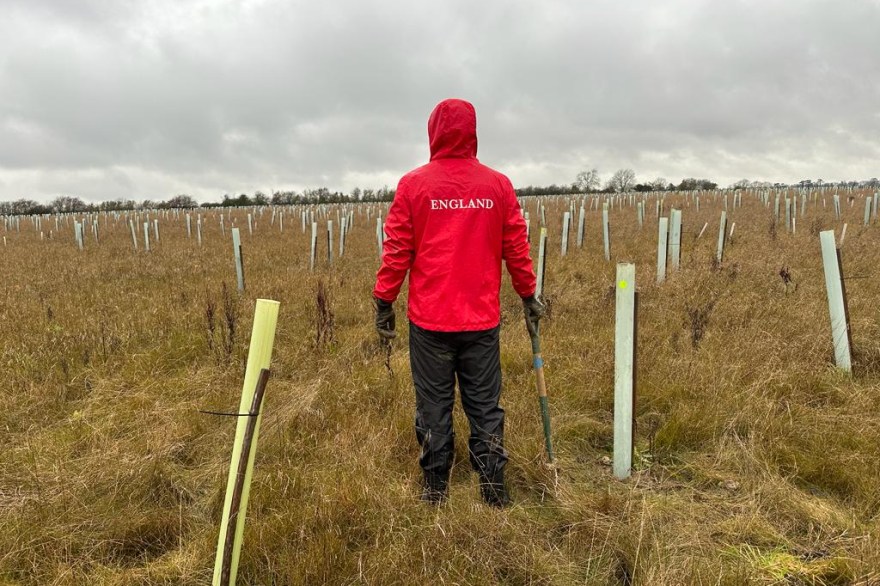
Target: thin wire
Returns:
[228, 414]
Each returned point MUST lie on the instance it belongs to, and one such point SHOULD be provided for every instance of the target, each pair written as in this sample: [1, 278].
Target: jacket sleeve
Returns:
[398, 248]
[515, 247]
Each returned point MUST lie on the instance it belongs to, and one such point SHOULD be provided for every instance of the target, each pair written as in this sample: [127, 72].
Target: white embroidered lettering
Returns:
[461, 204]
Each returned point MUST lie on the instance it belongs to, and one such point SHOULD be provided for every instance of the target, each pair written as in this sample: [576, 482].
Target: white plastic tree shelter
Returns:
[624, 369]
[232, 525]
[542, 256]
[719, 255]
[239, 267]
[581, 221]
[662, 236]
[566, 222]
[314, 241]
[606, 233]
[674, 252]
[329, 241]
[836, 301]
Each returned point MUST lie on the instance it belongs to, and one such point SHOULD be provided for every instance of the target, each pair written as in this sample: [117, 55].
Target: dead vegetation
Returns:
[756, 462]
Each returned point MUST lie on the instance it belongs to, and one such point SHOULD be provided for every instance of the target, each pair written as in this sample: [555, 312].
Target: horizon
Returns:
[375, 192]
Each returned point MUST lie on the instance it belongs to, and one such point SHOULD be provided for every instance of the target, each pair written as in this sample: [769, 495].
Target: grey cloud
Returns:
[211, 97]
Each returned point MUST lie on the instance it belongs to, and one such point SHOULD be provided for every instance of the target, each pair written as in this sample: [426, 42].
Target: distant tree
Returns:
[241, 201]
[690, 184]
[622, 180]
[659, 184]
[319, 195]
[551, 189]
[356, 193]
[588, 181]
[385, 194]
[260, 199]
[116, 205]
[284, 198]
[66, 204]
[180, 201]
[23, 207]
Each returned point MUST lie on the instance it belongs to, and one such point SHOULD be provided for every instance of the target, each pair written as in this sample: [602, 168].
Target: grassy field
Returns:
[756, 461]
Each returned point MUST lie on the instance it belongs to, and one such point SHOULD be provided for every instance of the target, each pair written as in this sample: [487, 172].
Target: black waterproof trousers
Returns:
[437, 359]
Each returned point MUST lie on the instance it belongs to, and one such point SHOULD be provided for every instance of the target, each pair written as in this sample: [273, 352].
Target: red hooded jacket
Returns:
[450, 225]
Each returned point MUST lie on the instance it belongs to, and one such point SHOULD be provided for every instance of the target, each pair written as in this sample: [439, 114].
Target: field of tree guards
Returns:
[715, 410]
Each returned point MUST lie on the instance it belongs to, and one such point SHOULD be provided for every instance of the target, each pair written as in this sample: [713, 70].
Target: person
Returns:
[450, 225]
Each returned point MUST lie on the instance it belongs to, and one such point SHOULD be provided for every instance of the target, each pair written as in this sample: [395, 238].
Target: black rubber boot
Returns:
[494, 491]
[435, 489]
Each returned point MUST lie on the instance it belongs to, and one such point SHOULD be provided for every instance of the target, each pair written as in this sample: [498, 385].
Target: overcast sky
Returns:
[147, 99]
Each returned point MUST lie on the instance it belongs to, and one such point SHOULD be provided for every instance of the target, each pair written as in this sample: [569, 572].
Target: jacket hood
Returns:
[452, 130]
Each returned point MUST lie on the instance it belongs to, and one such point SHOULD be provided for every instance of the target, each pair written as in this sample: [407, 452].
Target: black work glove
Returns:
[384, 318]
[534, 311]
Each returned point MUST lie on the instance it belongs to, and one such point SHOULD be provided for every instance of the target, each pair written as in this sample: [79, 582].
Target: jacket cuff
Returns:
[382, 304]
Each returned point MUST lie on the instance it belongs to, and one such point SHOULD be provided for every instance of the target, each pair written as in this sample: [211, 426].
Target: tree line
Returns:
[620, 181]
[587, 181]
[71, 204]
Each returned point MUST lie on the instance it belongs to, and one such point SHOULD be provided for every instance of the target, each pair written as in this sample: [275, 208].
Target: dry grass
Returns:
[756, 460]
